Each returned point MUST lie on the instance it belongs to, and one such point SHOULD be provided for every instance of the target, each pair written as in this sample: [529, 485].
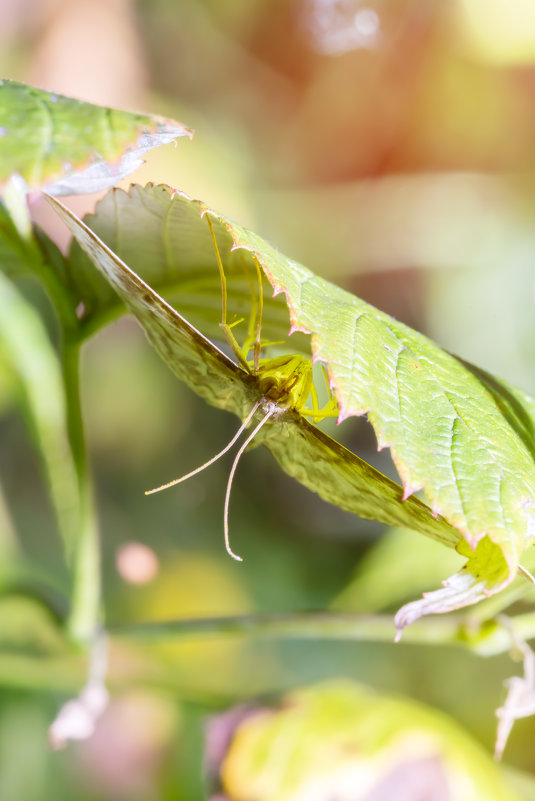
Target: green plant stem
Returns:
[85, 613]
[306, 625]
[486, 639]
[67, 670]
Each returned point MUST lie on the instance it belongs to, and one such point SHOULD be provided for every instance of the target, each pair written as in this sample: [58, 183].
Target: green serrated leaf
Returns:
[303, 451]
[72, 147]
[459, 435]
[445, 430]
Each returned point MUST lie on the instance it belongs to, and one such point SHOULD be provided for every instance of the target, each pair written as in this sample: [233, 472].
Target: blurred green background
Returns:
[389, 147]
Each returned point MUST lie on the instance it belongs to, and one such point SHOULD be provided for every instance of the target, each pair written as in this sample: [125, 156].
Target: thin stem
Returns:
[302, 625]
[21, 670]
[486, 640]
[525, 572]
[86, 594]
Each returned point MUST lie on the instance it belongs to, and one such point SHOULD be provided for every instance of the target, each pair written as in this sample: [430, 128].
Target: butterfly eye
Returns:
[292, 382]
[268, 386]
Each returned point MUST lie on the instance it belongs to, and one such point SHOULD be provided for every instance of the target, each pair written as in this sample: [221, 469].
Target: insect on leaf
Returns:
[460, 435]
[302, 450]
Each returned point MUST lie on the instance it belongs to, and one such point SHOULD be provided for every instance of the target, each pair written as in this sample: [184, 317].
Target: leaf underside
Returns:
[303, 451]
[460, 435]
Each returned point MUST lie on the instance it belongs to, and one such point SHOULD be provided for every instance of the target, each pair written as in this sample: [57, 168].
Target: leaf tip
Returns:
[381, 442]
[294, 329]
[409, 487]
[343, 415]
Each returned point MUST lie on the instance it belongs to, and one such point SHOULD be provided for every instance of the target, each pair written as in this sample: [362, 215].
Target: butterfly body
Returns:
[285, 380]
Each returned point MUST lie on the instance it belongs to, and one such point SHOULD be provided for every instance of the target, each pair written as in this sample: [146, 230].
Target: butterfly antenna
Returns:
[526, 573]
[236, 436]
[251, 436]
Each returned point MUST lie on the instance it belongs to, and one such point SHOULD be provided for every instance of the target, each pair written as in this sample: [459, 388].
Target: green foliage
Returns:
[302, 450]
[459, 434]
[450, 433]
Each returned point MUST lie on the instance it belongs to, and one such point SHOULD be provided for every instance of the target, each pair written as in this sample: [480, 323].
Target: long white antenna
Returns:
[236, 436]
[526, 573]
[251, 436]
